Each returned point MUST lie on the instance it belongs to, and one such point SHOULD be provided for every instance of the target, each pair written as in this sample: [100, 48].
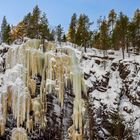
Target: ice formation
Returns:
[19, 134]
[43, 93]
[58, 67]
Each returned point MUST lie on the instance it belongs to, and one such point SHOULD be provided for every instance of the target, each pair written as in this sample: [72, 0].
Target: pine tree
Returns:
[104, 36]
[83, 29]
[33, 25]
[111, 23]
[52, 35]
[136, 21]
[71, 36]
[112, 19]
[123, 28]
[132, 33]
[96, 40]
[43, 27]
[115, 38]
[90, 39]
[64, 39]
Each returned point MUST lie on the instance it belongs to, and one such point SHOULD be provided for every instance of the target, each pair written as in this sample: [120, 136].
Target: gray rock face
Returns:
[114, 100]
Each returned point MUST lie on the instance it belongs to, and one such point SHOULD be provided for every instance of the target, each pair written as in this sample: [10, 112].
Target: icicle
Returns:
[29, 123]
[57, 69]
[50, 75]
[19, 134]
[50, 46]
[4, 104]
[61, 86]
[32, 86]
[2, 116]
[75, 131]
[9, 94]
[40, 62]
[37, 109]
[33, 63]
[28, 67]
[21, 102]
[2, 125]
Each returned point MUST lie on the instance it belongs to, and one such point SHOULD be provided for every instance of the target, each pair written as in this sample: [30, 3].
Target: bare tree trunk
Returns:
[104, 62]
[123, 52]
[123, 48]
[85, 47]
[128, 50]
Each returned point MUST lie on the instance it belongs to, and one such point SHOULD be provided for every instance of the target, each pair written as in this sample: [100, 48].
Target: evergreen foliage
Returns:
[114, 32]
[72, 29]
[5, 31]
[59, 33]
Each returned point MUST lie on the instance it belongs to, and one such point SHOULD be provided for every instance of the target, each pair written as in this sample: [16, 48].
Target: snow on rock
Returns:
[113, 87]
[58, 92]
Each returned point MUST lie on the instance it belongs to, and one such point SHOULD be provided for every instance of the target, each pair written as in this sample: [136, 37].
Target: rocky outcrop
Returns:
[114, 100]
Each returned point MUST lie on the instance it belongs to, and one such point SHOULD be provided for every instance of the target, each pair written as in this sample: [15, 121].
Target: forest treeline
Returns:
[115, 31]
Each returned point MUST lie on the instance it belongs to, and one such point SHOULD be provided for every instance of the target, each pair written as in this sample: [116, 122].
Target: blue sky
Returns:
[60, 11]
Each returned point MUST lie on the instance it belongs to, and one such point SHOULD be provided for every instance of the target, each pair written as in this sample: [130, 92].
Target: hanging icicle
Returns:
[19, 134]
[58, 68]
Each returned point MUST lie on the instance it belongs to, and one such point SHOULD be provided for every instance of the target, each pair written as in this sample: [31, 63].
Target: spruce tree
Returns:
[64, 39]
[7, 34]
[27, 24]
[59, 33]
[34, 23]
[5, 31]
